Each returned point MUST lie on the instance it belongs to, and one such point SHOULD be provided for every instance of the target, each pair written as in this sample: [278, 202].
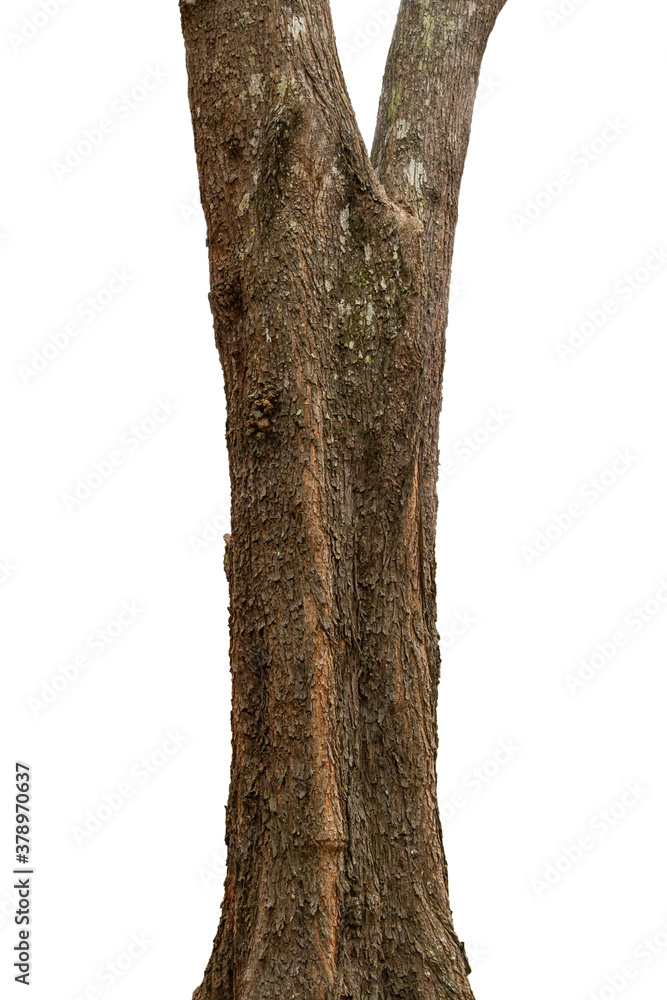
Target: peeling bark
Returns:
[329, 275]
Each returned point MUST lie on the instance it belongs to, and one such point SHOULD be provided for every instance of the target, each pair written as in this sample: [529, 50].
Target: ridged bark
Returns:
[329, 275]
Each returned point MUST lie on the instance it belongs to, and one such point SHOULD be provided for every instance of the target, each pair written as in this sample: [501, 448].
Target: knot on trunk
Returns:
[261, 412]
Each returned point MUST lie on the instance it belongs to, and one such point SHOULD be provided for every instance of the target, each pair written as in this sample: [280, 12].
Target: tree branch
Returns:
[426, 107]
[261, 72]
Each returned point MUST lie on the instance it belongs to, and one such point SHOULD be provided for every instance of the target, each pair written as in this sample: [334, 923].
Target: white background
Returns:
[152, 869]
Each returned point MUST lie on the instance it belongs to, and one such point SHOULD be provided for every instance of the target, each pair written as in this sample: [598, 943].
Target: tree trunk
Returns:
[329, 276]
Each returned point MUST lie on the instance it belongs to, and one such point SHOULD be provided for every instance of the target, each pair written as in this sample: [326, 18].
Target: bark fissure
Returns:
[329, 273]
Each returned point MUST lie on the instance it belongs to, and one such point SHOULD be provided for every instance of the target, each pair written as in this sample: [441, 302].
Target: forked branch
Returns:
[426, 106]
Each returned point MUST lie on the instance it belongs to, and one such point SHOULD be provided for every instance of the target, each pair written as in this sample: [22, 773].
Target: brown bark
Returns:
[329, 274]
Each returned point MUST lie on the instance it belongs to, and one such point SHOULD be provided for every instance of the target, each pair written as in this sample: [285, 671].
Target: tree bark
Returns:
[329, 276]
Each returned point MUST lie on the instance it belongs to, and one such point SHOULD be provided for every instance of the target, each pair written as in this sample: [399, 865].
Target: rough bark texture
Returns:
[329, 275]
